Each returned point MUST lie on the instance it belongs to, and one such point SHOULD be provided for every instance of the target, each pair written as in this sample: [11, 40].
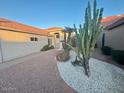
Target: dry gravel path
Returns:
[36, 73]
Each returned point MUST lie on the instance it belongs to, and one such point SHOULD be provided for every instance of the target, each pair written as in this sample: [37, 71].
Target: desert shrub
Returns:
[106, 50]
[47, 47]
[118, 56]
[63, 56]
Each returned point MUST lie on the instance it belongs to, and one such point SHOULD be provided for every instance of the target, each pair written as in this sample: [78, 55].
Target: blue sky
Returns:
[51, 13]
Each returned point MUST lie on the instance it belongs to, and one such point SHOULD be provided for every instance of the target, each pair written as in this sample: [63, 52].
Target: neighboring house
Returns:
[113, 35]
[17, 40]
[56, 35]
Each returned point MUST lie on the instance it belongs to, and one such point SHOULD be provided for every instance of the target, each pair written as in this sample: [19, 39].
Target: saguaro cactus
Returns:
[87, 35]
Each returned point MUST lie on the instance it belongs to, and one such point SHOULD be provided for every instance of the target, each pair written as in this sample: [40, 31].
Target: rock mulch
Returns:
[105, 78]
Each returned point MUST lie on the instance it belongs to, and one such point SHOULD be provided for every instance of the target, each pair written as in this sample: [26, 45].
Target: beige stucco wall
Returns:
[14, 36]
[115, 38]
[17, 36]
[15, 45]
[99, 42]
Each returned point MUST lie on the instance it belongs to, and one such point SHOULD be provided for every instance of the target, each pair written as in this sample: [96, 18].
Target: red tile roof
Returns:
[5, 23]
[116, 24]
[111, 19]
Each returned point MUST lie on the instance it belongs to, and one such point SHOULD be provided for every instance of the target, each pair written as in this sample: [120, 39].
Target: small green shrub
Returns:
[106, 50]
[47, 47]
[118, 56]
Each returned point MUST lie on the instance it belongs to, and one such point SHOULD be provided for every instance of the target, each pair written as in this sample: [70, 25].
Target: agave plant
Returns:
[87, 36]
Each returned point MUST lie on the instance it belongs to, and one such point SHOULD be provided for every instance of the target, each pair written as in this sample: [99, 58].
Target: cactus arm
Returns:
[78, 40]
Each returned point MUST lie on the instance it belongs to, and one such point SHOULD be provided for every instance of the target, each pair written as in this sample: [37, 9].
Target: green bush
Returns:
[47, 47]
[106, 50]
[118, 56]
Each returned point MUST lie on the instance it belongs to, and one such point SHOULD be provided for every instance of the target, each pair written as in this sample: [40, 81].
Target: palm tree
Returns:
[64, 56]
[67, 30]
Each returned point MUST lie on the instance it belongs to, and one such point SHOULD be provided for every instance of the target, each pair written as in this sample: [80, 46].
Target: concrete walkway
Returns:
[37, 73]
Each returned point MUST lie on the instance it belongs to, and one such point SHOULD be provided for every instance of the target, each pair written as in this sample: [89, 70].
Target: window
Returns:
[33, 39]
[36, 39]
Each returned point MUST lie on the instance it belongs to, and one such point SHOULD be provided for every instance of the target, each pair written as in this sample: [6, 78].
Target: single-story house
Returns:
[17, 40]
[113, 35]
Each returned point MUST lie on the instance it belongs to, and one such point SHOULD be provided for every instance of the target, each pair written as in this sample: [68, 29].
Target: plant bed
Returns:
[105, 78]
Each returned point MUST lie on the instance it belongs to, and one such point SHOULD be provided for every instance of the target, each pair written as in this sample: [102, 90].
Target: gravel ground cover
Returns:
[105, 78]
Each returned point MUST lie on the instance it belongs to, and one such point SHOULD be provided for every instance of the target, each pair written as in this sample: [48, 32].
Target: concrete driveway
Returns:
[36, 73]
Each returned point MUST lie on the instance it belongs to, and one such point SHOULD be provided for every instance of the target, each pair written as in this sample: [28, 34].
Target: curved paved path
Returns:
[36, 73]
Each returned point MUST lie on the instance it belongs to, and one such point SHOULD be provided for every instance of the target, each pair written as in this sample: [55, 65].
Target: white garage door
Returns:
[1, 58]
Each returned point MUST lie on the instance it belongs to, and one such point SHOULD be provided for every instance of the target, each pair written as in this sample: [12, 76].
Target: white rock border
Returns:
[105, 78]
